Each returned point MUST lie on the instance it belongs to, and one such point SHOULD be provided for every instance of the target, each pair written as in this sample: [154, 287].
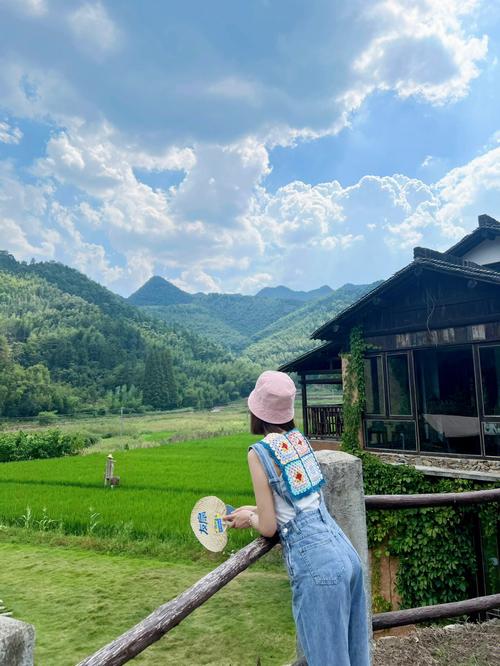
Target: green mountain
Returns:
[289, 336]
[291, 294]
[67, 343]
[158, 291]
[230, 319]
[267, 328]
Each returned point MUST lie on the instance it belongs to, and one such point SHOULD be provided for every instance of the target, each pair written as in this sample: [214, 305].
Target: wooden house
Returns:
[432, 365]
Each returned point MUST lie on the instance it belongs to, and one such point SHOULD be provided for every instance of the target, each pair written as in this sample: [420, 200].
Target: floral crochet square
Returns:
[299, 442]
[297, 477]
[313, 469]
[282, 448]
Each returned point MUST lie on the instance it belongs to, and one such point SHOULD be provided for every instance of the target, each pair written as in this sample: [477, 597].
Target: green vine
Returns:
[379, 603]
[437, 561]
[354, 392]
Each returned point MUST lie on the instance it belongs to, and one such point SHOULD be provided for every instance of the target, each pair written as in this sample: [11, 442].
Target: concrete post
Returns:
[17, 643]
[345, 500]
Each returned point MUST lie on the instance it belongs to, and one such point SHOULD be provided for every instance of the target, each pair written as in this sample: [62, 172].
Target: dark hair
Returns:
[260, 427]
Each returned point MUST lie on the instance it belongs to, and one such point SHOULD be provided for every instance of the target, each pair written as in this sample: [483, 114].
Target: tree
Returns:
[159, 387]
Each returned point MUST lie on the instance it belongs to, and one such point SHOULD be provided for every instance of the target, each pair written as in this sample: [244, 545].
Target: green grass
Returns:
[151, 429]
[158, 489]
[86, 562]
[79, 600]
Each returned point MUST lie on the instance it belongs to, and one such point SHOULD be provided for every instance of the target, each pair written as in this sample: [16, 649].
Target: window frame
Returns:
[368, 357]
[393, 416]
[414, 451]
[483, 417]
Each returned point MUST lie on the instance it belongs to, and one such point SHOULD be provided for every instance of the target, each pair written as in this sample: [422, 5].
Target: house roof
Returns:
[325, 352]
[424, 259]
[488, 228]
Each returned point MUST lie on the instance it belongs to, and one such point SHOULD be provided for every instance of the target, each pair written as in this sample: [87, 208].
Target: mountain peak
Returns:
[158, 291]
[290, 294]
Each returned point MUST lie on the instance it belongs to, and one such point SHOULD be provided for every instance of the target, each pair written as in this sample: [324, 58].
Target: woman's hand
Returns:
[239, 518]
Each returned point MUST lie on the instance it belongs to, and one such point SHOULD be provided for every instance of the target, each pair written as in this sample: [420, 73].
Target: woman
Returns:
[328, 598]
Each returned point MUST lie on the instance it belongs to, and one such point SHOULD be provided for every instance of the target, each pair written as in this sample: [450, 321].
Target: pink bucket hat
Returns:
[272, 399]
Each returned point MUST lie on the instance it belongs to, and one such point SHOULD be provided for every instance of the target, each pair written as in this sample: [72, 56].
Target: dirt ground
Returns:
[456, 645]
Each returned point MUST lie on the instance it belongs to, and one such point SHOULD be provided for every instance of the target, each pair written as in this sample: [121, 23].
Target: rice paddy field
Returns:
[158, 489]
[83, 562]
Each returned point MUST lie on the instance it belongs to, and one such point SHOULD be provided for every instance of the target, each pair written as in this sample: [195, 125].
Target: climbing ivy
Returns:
[434, 546]
[354, 392]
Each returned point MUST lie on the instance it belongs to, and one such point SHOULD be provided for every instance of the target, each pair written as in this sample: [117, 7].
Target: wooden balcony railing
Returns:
[325, 421]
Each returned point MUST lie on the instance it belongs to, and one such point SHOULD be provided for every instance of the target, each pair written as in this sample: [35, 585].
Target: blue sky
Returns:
[234, 145]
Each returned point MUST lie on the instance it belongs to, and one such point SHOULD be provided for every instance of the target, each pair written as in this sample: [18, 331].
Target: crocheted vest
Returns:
[294, 456]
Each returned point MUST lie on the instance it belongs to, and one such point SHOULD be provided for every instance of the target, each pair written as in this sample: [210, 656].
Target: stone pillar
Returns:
[17, 643]
[345, 500]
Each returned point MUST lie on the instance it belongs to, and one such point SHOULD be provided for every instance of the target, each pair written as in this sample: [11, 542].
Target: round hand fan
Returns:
[207, 523]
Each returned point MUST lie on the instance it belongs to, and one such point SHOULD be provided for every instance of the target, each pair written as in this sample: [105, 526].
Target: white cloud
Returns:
[93, 29]
[254, 283]
[9, 134]
[301, 235]
[468, 191]
[197, 280]
[219, 186]
[215, 119]
[298, 79]
[32, 8]
[424, 50]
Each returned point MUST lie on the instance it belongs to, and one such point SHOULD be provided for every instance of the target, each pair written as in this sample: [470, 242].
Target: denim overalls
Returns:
[328, 597]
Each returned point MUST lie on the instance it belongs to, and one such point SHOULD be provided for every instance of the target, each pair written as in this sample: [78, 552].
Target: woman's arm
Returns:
[262, 517]
[266, 517]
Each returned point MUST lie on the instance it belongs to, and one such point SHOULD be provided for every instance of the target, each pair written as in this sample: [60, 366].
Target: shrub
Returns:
[47, 418]
[50, 444]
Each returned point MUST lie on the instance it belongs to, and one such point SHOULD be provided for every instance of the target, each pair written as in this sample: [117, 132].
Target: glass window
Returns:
[490, 375]
[446, 396]
[491, 438]
[390, 435]
[399, 385]
[374, 385]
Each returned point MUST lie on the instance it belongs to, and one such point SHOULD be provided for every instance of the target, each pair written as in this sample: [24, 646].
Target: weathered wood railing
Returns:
[325, 421]
[166, 617]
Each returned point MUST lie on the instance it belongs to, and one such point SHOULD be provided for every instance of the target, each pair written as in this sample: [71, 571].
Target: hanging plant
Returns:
[354, 392]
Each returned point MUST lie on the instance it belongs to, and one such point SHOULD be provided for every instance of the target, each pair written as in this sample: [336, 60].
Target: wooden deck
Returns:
[325, 444]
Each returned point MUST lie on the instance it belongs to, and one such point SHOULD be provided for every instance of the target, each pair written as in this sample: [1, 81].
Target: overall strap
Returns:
[274, 480]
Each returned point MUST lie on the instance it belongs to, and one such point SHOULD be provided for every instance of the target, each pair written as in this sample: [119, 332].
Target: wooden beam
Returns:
[431, 499]
[334, 380]
[305, 420]
[424, 613]
[135, 640]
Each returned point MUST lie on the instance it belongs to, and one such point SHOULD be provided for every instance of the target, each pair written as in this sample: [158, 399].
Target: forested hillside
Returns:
[67, 344]
[230, 319]
[237, 322]
[287, 293]
[289, 336]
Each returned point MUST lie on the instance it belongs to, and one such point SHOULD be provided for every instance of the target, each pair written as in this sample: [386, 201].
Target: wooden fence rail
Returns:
[166, 617]
[431, 499]
[414, 615]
